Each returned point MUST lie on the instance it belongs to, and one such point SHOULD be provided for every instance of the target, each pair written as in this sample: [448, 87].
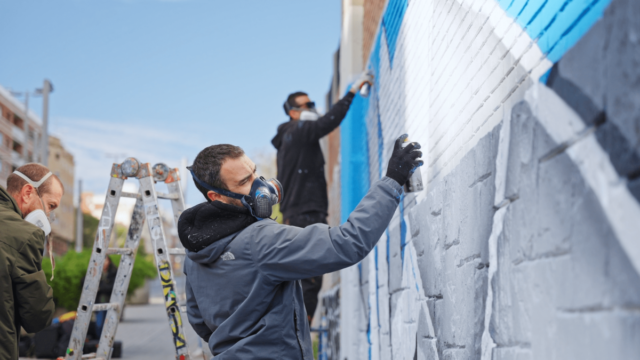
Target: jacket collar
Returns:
[8, 201]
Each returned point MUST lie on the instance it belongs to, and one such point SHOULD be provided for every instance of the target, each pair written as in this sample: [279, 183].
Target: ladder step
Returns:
[170, 196]
[119, 251]
[160, 195]
[107, 306]
[129, 195]
[177, 251]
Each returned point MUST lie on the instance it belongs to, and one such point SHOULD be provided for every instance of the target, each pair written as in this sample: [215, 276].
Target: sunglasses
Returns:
[309, 105]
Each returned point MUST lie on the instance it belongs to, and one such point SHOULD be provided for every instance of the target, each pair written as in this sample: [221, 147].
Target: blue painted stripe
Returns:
[577, 29]
[388, 246]
[403, 229]
[377, 288]
[557, 25]
[392, 21]
[354, 150]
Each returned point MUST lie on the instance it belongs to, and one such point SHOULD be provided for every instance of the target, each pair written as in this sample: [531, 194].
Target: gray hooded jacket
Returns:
[243, 293]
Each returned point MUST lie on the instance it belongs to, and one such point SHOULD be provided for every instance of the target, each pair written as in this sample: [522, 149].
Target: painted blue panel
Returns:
[516, 7]
[530, 13]
[546, 16]
[505, 3]
[391, 21]
[354, 152]
[578, 29]
[556, 24]
[403, 229]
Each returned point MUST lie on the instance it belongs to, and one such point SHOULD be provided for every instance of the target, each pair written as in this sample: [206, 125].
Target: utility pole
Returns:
[47, 88]
[79, 219]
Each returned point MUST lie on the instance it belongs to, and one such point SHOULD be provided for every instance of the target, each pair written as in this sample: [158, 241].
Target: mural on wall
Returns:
[524, 244]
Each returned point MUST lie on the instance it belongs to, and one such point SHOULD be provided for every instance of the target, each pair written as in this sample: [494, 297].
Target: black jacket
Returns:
[300, 160]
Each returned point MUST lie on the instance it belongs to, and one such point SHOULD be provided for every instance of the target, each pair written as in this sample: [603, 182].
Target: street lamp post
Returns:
[79, 219]
[47, 88]
[43, 147]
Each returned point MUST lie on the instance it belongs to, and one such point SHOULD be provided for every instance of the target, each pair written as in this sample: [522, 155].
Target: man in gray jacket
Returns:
[243, 269]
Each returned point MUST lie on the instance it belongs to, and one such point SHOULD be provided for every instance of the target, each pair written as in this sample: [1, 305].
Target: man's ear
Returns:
[214, 196]
[26, 192]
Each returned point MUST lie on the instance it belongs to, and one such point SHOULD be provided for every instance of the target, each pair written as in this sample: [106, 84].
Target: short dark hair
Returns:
[291, 101]
[35, 172]
[207, 165]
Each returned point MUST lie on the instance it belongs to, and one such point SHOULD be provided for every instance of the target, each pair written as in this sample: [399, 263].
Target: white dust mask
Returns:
[311, 115]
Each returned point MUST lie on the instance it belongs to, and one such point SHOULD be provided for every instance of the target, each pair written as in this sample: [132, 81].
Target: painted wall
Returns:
[526, 242]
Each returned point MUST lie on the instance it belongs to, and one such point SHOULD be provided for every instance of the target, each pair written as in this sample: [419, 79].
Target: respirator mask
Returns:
[263, 196]
[311, 115]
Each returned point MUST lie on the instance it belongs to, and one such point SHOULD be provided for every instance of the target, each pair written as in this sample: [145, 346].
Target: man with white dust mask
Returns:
[301, 166]
[32, 193]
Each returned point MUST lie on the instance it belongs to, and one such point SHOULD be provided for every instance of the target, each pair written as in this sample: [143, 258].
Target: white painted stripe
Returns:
[620, 207]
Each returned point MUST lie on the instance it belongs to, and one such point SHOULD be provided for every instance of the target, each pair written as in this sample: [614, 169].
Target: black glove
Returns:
[404, 160]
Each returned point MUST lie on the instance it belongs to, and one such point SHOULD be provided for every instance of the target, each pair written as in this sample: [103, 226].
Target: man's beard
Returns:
[235, 202]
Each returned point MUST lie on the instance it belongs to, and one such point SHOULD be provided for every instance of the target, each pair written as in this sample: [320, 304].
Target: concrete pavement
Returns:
[145, 334]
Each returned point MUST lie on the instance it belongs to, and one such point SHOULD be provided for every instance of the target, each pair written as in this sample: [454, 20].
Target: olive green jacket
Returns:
[25, 297]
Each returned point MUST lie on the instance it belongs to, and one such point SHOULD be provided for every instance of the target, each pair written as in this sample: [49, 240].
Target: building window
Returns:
[17, 147]
[57, 156]
[0, 166]
[1, 139]
[17, 121]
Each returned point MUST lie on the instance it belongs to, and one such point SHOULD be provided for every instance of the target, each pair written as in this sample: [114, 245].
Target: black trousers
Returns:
[311, 286]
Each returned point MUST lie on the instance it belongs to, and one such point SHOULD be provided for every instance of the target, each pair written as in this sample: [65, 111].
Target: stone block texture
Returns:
[523, 244]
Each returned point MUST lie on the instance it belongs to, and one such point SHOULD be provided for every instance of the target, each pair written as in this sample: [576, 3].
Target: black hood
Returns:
[282, 128]
[206, 223]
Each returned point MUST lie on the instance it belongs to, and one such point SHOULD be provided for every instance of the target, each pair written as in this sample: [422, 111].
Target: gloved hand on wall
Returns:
[365, 77]
[404, 160]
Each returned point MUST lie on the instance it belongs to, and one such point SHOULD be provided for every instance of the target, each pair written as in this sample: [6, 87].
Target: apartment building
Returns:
[20, 135]
[62, 164]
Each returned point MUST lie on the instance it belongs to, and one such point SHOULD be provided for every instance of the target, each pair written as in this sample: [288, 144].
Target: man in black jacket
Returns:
[301, 166]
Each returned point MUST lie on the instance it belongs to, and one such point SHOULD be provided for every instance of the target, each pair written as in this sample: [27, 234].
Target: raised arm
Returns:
[289, 253]
[308, 131]
[315, 130]
[286, 253]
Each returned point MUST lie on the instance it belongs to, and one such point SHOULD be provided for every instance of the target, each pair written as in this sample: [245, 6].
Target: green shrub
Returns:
[72, 267]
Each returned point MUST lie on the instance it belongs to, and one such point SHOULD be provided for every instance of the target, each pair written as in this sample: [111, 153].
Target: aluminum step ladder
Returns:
[146, 207]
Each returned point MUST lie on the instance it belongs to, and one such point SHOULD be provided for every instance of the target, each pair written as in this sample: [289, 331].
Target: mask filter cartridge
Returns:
[267, 194]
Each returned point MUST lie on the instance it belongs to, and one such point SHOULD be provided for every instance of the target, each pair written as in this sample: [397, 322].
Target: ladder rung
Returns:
[89, 356]
[129, 195]
[171, 196]
[177, 251]
[160, 195]
[107, 306]
[120, 251]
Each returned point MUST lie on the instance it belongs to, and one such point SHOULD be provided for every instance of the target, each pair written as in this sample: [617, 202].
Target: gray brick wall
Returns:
[524, 244]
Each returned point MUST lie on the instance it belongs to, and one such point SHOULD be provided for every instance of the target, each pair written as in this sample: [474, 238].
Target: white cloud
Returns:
[96, 145]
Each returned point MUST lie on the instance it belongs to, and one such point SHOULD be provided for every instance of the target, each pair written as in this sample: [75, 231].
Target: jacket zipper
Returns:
[295, 323]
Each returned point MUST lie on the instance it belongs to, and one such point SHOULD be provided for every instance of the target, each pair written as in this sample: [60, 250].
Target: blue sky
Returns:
[160, 80]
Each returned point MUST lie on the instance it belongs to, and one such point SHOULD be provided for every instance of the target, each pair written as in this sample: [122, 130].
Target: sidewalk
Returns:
[145, 334]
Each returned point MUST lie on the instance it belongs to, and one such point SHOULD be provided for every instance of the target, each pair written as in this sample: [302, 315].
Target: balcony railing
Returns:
[17, 159]
[18, 135]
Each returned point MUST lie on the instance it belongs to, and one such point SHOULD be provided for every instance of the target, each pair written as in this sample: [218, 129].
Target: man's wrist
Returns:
[397, 177]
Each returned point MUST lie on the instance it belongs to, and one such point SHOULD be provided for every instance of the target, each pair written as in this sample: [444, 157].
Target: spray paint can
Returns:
[364, 90]
[414, 184]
